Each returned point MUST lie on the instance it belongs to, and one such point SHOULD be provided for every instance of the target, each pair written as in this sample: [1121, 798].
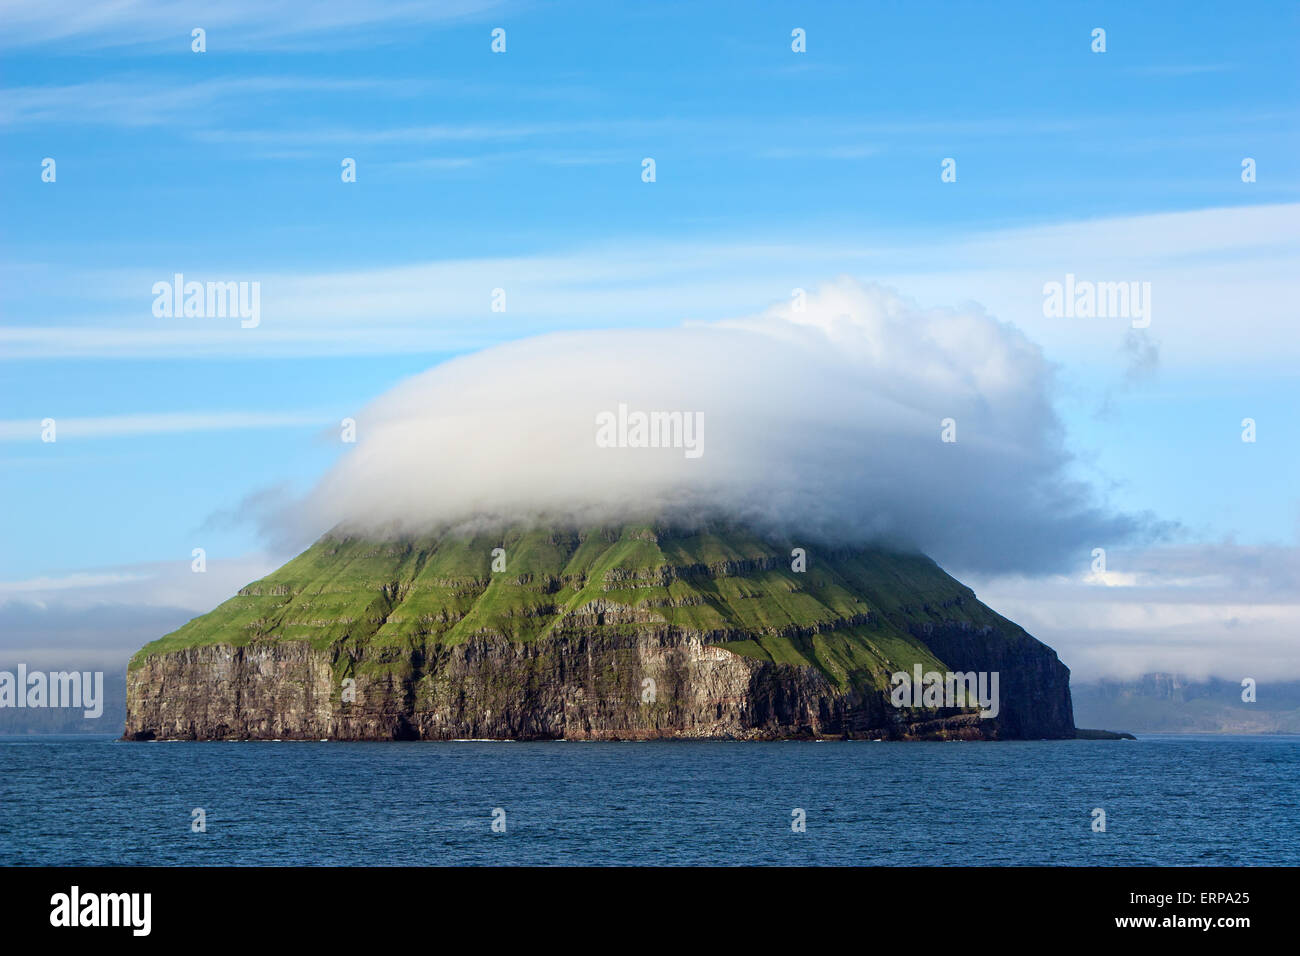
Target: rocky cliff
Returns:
[623, 633]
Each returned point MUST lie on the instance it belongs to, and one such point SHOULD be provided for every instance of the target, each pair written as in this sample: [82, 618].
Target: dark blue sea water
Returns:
[1168, 800]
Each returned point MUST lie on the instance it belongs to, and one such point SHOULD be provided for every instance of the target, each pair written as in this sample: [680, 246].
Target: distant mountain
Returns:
[1172, 704]
[605, 633]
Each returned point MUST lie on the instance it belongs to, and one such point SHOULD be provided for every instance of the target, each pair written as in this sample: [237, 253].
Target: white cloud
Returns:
[1222, 284]
[146, 102]
[170, 584]
[104, 615]
[70, 582]
[823, 424]
[1205, 610]
[121, 426]
[231, 24]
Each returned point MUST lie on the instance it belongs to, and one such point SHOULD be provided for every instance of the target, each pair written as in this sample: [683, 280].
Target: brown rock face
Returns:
[577, 688]
[1035, 685]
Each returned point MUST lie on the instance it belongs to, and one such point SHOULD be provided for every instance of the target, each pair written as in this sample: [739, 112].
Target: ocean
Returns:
[1168, 800]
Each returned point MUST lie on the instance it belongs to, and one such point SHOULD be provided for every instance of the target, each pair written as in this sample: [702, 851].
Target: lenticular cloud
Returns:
[821, 420]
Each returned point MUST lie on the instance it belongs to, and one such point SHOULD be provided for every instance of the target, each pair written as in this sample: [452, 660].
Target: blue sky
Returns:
[523, 171]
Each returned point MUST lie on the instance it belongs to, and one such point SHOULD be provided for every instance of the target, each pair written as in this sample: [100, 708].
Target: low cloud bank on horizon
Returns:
[821, 420]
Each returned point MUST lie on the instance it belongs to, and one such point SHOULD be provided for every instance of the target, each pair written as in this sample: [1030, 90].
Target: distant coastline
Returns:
[1170, 703]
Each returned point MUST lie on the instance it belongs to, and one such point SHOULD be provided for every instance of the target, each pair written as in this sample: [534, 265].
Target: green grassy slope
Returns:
[848, 614]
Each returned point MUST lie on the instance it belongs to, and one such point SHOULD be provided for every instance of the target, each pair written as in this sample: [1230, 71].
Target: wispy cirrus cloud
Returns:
[154, 100]
[127, 426]
[232, 24]
[1223, 280]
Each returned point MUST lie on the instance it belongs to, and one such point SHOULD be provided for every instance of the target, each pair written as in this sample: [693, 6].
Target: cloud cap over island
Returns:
[823, 418]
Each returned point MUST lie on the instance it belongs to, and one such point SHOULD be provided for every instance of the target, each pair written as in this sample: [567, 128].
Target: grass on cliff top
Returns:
[395, 596]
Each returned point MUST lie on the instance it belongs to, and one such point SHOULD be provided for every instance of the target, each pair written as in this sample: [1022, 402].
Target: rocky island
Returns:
[606, 633]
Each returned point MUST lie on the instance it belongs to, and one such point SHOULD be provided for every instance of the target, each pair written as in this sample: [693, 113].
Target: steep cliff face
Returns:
[626, 633]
